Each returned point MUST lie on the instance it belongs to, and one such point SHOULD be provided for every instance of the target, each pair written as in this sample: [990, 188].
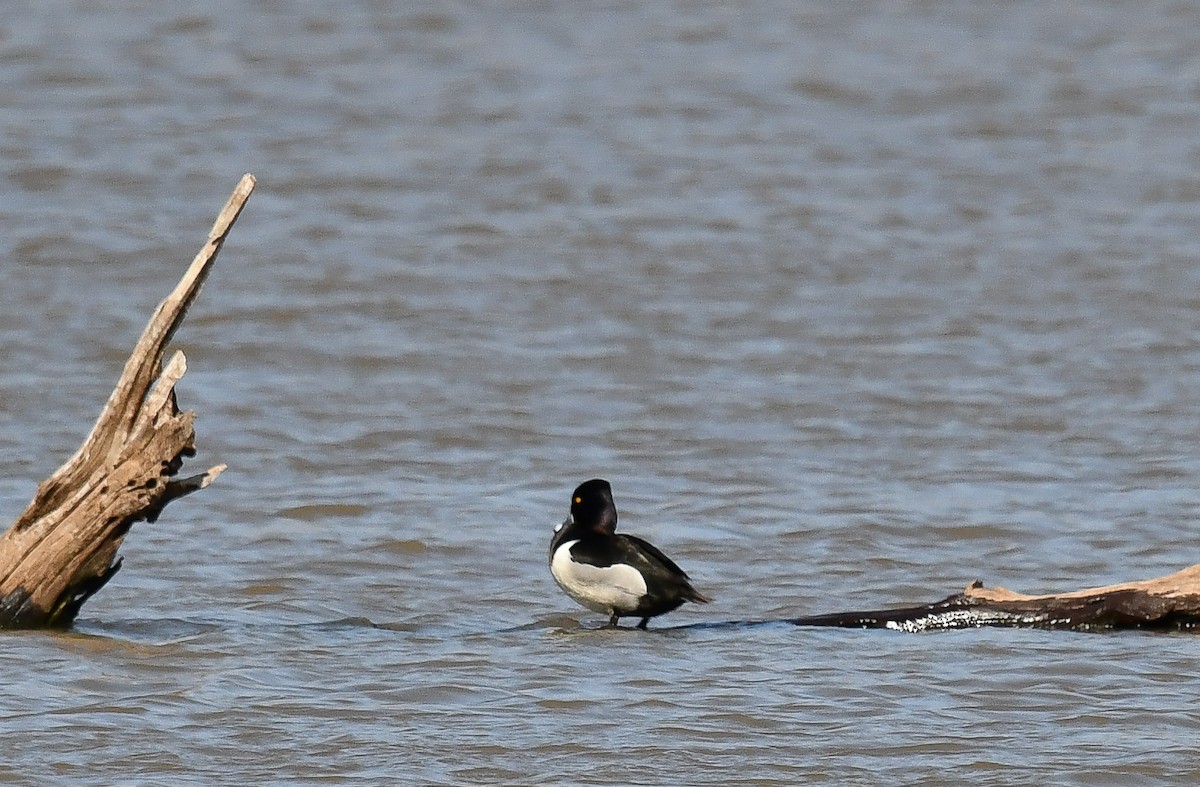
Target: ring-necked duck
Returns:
[610, 572]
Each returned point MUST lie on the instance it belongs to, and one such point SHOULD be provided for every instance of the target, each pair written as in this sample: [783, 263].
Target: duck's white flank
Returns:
[615, 588]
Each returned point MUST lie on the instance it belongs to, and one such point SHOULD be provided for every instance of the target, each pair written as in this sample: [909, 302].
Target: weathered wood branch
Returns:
[63, 548]
[1169, 603]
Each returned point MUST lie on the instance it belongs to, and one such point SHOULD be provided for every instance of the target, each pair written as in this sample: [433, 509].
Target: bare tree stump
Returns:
[1170, 603]
[63, 548]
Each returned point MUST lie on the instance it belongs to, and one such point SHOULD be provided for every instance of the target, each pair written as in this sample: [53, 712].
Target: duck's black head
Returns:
[592, 507]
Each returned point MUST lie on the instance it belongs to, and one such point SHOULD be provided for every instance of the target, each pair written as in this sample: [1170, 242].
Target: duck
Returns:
[614, 573]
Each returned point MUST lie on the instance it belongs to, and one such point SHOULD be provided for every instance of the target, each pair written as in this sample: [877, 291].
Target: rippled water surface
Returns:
[853, 304]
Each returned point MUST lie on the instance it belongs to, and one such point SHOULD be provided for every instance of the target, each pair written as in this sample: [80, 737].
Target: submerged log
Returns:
[1169, 603]
[63, 548]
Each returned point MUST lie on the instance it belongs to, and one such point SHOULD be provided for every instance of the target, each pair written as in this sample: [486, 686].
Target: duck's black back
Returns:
[667, 585]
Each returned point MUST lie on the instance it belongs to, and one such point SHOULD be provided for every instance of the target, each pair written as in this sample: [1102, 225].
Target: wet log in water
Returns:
[1169, 603]
[63, 548]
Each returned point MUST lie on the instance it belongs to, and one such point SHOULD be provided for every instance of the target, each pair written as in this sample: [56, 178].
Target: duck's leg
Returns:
[612, 622]
[642, 625]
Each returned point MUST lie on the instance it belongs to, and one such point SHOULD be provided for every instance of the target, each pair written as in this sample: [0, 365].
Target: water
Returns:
[852, 304]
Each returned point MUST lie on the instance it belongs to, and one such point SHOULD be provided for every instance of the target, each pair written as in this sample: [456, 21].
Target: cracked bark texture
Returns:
[63, 548]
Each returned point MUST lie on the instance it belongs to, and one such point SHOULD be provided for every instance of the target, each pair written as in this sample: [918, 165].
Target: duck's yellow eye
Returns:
[579, 500]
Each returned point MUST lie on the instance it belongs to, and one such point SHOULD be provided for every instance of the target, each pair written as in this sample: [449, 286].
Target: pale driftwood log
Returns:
[63, 548]
[1169, 603]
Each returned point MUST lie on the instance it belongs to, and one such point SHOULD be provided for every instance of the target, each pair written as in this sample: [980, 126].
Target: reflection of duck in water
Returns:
[610, 572]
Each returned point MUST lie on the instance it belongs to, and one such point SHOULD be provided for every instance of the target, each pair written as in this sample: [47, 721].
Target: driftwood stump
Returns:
[1170, 603]
[63, 548]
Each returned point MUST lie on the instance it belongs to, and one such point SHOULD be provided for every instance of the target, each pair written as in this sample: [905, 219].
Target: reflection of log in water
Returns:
[63, 548]
[1166, 603]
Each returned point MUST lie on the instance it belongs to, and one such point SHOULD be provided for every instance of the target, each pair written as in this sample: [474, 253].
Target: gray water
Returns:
[852, 303]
